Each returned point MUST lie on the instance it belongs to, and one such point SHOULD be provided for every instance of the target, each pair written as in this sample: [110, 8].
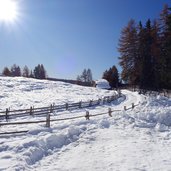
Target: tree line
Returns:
[145, 52]
[111, 75]
[86, 76]
[39, 71]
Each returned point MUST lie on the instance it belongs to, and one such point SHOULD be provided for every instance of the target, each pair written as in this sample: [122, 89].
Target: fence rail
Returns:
[43, 111]
[48, 120]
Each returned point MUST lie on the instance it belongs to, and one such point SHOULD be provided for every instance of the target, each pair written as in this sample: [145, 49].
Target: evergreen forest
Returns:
[145, 52]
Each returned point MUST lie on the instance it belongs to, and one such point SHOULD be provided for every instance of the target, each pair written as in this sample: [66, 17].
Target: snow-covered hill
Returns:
[136, 139]
[21, 92]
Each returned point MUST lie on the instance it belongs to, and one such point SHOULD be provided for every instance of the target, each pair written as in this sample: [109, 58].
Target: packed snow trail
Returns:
[115, 143]
[131, 97]
[111, 146]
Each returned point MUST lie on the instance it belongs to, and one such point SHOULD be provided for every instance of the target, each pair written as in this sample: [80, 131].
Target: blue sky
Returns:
[70, 35]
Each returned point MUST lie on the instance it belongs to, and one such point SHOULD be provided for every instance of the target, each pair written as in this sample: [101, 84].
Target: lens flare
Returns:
[8, 10]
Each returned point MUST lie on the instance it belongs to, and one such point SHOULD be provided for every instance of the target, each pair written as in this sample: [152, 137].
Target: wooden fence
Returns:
[48, 119]
[43, 111]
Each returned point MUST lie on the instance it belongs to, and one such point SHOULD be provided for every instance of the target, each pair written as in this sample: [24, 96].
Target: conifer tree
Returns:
[106, 75]
[156, 55]
[40, 72]
[146, 53]
[129, 52]
[26, 72]
[112, 76]
[89, 76]
[31, 74]
[147, 73]
[141, 47]
[165, 35]
[6, 72]
[15, 70]
[86, 76]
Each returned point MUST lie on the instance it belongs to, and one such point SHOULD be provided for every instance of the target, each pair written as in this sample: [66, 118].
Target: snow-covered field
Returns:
[23, 93]
[138, 139]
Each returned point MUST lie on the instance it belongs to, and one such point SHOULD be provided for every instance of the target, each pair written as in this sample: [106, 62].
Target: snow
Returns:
[103, 84]
[23, 93]
[135, 139]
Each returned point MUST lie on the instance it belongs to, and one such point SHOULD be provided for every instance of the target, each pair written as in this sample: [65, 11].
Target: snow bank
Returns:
[32, 149]
[156, 112]
[102, 84]
[104, 123]
[159, 101]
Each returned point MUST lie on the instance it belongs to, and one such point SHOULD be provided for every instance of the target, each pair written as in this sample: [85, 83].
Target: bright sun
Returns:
[8, 10]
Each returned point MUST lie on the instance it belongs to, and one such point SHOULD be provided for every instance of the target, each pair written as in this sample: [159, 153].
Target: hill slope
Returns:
[136, 139]
[21, 92]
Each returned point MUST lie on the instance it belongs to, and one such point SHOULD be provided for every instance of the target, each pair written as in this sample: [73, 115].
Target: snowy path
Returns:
[131, 97]
[114, 148]
[113, 144]
[109, 145]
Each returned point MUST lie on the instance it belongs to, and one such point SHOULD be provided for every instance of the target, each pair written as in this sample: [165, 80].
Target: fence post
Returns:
[31, 110]
[133, 105]
[6, 114]
[80, 104]
[87, 116]
[51, 108]
[48, 120]
[109, 99]
[66, 106]
[90, 104]
[119, 92]
[110, 112]
[124, 107]
[99, 100]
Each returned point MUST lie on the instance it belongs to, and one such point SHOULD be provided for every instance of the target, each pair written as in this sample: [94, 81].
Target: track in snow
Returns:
[101, 147]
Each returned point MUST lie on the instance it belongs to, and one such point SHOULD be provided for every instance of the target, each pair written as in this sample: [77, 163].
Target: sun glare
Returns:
[8, 10]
